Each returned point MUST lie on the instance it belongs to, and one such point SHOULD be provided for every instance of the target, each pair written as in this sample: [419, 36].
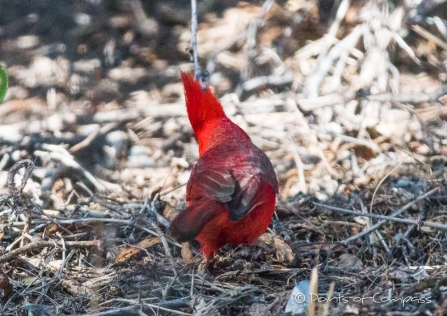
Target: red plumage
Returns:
[231, 193]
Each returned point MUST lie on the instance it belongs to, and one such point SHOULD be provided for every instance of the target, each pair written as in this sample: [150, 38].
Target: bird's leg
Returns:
[204, 266]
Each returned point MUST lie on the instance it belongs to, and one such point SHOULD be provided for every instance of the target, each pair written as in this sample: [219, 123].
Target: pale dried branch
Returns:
[43, 243]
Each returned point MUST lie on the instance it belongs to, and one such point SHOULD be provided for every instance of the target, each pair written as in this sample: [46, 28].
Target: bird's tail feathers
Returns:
[189, 223]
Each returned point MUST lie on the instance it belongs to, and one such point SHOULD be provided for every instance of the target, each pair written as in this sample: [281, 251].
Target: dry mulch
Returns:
[348, 102]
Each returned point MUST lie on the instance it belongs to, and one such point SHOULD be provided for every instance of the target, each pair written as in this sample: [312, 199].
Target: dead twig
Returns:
[427, 35]
[91, 137]
[257, 82]
[408, 98]
[314, 82]
[114, 311]
[59, 154]
[119, 221]
[198, 74]
[152, 306]
[44, 243]
[29, 167]
[87, 141]
[384, 218]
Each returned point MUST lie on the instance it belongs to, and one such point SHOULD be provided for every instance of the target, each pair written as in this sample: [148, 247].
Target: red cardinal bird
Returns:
[231, 193]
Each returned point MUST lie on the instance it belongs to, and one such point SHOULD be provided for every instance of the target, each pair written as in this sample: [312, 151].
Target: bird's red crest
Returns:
[201, 105]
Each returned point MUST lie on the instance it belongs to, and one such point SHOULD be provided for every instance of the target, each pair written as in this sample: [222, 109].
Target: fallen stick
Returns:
[114, 311]
[67, 160]
[113, 220]
[384, 218]
[261, 81]
[427, 35]
[43, 243]
[408, 98]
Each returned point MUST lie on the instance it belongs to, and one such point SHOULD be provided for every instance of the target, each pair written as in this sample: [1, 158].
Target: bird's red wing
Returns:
[215, 183]
[237, 190]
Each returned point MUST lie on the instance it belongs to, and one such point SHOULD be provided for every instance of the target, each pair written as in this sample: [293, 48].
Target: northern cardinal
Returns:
[231, 193]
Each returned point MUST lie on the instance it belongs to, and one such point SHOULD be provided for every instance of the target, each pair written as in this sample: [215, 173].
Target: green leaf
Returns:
[3, 83]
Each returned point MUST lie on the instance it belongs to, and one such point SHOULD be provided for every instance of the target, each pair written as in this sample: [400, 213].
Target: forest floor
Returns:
[347, 99]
